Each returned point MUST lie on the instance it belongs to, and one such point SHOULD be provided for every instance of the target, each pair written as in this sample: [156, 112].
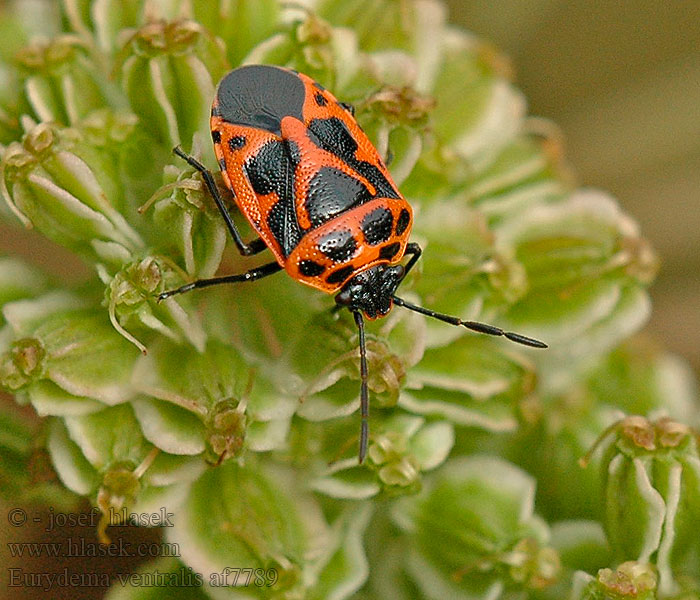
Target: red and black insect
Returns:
[319, 196]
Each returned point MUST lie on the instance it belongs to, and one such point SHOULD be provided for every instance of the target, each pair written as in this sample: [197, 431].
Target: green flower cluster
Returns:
[235, 407]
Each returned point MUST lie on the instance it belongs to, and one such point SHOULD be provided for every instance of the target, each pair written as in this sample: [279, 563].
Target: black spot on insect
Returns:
[216, 136]
[388, 252]
[266, 169]
[333, 135]
[377, 225]
[338, 245]
[332, 192]
[283, 224]
[271, 171]
[340, 275]
[310, 268]
[403, 221]
[320, 100]
[222, 164]
[377, 179]
[237, 142]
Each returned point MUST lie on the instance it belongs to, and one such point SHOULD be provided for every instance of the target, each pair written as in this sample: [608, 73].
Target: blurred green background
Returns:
[622, 81]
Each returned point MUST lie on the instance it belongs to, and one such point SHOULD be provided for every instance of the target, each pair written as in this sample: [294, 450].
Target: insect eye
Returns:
[397, 272]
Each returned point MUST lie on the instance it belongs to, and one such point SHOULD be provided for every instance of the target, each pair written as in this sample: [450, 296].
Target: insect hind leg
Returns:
[255, 246]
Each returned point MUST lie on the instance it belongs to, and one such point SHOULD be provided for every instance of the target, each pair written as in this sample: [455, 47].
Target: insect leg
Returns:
[364, 393]
[415, 251]
[349, 107]
[473, 325]
[252, 275]
[253, 247]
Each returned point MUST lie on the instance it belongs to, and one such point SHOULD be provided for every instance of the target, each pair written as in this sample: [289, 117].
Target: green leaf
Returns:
[473, 530]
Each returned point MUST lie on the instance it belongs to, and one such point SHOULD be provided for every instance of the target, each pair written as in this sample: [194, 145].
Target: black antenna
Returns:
[364, 394]
[473, 325]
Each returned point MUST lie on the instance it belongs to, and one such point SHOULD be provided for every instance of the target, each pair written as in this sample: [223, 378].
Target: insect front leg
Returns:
[415, 251]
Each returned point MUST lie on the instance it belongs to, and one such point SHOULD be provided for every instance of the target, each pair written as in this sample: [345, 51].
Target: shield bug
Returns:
[319, 196]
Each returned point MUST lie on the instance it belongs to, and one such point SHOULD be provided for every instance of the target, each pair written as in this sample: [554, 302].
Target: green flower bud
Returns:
[226, 429]
[406, 447]
[480, 139]
[226, 403]
[533, 566]
[158, 62]
[130, 298]
[105, 19]
[74, 348]
[489, 109]
[312, 46]
[583, 238]
[61, 83]
[249, 530]
[396, 119]
[119, 489]
[268, 522]
[640, 378]
[633, 580]
[48, 185]
[242, 24]
[105, 455]
[560, 429]
[326, 361]
[472, 381]
[22, 364]
[526, 173]
[414, 26]
[402, 448]
[464, 272]
[472, 529]
[652, 489]
[188, 223]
